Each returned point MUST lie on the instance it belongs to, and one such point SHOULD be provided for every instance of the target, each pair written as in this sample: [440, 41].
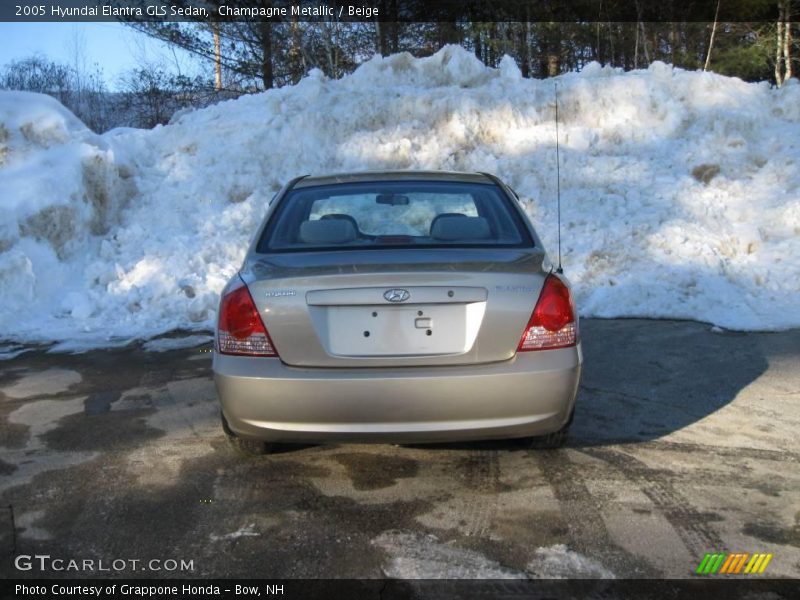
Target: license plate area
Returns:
[408, 330]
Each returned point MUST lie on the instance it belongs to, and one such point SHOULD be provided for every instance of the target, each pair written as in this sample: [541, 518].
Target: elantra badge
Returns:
[396, 295]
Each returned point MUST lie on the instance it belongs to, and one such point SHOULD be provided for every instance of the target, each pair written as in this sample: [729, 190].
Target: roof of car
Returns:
[408, 175]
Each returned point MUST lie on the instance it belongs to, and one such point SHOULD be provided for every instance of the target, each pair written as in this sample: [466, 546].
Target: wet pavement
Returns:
[685, 441]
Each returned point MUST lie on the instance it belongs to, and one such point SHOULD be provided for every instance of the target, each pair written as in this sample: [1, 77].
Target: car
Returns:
[400, 307]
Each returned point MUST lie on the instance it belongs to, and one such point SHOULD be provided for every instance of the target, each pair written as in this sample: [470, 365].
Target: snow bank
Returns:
[559, 562]
[418, 556]
[681, 190]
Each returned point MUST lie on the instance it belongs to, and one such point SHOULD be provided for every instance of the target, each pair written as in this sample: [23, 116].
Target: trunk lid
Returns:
[396, 307]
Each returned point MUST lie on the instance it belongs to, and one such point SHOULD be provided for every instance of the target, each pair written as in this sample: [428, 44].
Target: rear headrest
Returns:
[329, 231]
[442, 215]
[341, 216]
[460, 228]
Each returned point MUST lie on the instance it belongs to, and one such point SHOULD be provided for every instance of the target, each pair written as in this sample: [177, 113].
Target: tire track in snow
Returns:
[688, 522]
[583, 519]
[483, 477]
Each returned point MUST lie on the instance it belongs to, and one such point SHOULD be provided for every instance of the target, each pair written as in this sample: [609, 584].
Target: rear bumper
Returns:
[531, 394]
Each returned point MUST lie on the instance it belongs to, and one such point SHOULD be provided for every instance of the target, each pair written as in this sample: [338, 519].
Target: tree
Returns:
[217, 57]
[151, 95]
[37, 74]
[711, 40]
[257, 56]
[82, 91]
[783, 38]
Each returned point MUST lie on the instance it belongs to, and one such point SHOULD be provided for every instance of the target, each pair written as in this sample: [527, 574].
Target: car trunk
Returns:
[396, 307]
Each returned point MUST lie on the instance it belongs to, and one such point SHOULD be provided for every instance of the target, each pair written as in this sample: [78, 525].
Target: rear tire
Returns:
[244, 445]
[551, 441]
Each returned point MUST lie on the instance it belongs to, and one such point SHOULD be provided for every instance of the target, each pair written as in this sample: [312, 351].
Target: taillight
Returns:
[552, 324]
[240, 329]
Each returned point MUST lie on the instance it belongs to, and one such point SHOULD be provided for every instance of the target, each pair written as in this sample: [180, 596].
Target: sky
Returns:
[113, 47]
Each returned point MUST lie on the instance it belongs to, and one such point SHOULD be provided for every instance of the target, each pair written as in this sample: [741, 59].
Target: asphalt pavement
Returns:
[685, 441]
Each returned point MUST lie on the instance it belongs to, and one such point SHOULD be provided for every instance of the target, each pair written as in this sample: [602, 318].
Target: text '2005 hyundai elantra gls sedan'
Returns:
[408, 306]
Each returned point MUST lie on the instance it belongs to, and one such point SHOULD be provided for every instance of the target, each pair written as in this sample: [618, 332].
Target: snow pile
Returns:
[421, 556]
[243, 531]
[559, 562]
[681, 190]
[61, 193]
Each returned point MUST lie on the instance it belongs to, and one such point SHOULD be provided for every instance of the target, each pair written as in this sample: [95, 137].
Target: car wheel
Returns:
[243, 445]
[551, 441]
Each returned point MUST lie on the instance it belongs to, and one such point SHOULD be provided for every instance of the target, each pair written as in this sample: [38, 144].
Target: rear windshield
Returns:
[394, 214]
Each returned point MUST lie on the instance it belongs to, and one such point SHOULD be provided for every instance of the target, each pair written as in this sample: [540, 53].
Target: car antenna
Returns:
[558, 183]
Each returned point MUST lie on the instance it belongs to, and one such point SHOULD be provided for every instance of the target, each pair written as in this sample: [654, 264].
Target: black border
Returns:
[729, 588]
[427, 11]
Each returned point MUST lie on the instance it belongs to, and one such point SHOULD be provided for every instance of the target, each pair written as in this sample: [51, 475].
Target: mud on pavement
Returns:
[684, 442]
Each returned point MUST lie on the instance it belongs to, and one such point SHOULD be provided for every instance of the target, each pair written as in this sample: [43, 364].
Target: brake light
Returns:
[240, 329]
[552, 324]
